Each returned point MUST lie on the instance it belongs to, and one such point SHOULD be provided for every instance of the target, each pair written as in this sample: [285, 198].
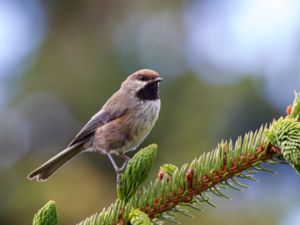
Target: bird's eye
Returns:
[142, 78]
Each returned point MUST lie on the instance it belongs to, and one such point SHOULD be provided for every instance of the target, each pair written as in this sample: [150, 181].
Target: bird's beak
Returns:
[158, 79]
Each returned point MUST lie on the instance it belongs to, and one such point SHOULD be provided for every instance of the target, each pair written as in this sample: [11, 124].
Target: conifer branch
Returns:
[210, 181]
[193, 188]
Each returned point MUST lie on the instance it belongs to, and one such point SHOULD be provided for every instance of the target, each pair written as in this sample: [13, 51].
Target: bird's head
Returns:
[144, 84]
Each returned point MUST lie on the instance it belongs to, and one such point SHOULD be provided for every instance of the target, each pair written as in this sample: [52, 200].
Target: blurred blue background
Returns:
[228, 67]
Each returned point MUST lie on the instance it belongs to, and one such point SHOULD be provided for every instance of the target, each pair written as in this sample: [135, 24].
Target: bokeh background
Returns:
[228, 66]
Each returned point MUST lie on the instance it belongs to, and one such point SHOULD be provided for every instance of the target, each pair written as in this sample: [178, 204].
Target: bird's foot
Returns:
[123, 167]
[120, 170]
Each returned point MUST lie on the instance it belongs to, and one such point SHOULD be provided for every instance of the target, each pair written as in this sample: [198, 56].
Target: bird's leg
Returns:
[127, 158]
[117, 169]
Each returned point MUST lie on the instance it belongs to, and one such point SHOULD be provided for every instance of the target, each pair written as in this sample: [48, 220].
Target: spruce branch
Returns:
[190, 184]
[213, 171]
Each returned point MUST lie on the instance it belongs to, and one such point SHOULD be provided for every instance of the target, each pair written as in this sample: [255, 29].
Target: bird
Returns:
[119, 127]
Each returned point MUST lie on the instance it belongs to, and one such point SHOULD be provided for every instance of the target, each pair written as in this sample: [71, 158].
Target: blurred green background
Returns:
[228, 67]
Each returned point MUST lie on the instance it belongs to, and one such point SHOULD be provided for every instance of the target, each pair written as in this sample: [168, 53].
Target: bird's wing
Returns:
[100, 118]
[114, 108]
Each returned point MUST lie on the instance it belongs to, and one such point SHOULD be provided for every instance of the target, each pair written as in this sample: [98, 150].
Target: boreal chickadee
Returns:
[120, 126]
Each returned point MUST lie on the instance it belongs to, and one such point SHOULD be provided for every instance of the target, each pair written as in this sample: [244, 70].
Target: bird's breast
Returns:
[143, 121]
[127, 132]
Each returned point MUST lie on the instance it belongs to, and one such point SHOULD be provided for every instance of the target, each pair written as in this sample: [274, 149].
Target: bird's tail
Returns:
[48, 168]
